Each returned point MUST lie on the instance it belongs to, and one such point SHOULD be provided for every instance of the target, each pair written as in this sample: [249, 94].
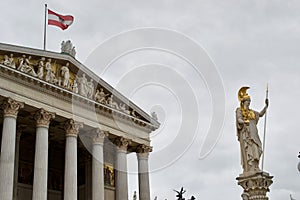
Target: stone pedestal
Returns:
[255, 185]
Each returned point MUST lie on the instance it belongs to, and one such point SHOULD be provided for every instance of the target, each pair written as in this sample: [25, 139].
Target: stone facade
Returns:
[76, 130]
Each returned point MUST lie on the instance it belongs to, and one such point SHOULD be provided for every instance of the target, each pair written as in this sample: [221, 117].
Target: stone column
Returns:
[121, 168]
[17, 153]
[88, 178]
[97, 165]
[255, 184]
[43, 119]
[70, 183]
[7, 160]
[143, 170]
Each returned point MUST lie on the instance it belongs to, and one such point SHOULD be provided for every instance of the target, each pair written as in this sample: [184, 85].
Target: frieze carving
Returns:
[122, 143]
[43, 118]
[65, 74]
[11, 107]
[9, 61]
[72, 128]
[61, 75]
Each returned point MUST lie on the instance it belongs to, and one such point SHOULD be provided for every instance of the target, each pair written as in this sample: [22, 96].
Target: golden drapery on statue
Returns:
[246, 121]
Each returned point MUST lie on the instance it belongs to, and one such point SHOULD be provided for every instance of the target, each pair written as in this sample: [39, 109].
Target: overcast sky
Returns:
[247, 42]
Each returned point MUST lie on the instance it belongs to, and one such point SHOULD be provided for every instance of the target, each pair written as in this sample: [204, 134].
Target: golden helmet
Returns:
[242, 94]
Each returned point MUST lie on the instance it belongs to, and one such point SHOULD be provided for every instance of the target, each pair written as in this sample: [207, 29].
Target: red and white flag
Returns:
[62, 21]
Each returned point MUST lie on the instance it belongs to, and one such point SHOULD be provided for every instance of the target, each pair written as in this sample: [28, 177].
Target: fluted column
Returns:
[143, 170]
[97, 165]
[121, 168]
[7, 160]
[70, 183]
[43, 119]
[17, 153]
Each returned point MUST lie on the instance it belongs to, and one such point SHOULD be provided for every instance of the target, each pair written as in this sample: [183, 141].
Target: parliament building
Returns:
[65, 133]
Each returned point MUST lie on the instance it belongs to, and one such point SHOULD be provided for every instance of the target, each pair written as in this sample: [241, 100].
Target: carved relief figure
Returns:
[100, 96]
[65, 73]
[6, 61]
[50, 76]
[75, 86]
[123, 108]
[90, 89]
[82, 85]
[9, 61]
[111, 102]
[246, 120]
[26, 66]
[40, 72]
[12, 62]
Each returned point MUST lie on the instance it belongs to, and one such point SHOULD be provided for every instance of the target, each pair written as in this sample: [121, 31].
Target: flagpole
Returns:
[265, 127]
[45, 27]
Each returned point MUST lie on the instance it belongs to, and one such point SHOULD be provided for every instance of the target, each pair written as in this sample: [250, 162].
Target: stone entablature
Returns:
[62, 74]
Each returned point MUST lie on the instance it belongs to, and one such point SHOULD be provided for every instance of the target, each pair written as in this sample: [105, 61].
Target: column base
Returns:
[255, 184]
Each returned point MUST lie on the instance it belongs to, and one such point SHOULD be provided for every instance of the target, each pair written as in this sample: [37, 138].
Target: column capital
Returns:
[43, 117]
[122, 143]
[143, 151]
[11, 107]
[72, 128]
[98, 136]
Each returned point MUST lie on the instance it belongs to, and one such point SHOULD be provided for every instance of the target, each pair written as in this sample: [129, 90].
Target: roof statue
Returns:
[68, 48]
[154, 115]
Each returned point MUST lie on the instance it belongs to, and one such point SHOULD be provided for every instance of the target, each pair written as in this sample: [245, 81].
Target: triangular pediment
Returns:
[65, 73]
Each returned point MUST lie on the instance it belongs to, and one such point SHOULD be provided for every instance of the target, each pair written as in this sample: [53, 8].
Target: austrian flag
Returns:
[59, 20]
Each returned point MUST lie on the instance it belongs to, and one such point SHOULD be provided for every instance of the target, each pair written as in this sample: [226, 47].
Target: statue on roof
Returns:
[246, 120]
[68, 48]
[154, 115]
